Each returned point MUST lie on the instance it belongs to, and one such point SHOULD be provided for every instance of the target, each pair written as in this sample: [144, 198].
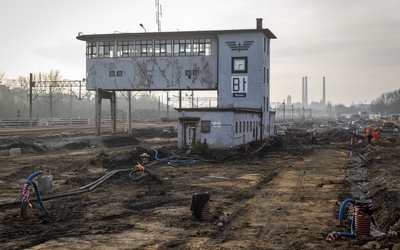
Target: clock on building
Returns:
[239, 64]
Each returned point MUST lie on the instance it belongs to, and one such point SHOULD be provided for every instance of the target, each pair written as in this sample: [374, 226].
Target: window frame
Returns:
[125, 49]
[182, 47]
[205, 126]
[106, 49]
[91, 50]
[164, 46]
[201, 47]
[144, 48]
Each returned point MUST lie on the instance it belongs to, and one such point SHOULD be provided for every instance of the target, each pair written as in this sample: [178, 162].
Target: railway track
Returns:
[90, 128]
[45, 129]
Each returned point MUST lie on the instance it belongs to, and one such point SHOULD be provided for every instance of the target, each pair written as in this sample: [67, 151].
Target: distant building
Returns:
[236, 63]
[289, 100]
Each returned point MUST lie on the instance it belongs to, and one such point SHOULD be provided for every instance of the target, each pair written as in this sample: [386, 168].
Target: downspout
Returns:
[217, 85]
[262, 123]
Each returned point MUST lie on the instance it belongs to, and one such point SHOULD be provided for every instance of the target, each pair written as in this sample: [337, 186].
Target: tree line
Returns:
[388, 103]
[52, 98]
[55, 98]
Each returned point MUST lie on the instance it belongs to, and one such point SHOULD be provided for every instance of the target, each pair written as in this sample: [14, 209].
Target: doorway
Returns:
[189, 134]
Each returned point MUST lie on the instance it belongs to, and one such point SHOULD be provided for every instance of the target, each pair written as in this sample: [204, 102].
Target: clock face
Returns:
[239, 65]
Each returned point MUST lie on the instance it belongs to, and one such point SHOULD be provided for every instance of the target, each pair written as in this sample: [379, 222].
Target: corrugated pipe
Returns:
[361, 219]
[84, 189]
[363, 213]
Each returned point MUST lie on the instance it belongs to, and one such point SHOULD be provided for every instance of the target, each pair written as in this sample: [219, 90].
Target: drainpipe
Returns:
[262, 124]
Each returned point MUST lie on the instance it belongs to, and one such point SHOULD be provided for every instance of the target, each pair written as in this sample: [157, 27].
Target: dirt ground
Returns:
[281, 194]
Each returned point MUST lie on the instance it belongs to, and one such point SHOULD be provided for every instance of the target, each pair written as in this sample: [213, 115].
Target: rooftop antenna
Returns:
[158, 14]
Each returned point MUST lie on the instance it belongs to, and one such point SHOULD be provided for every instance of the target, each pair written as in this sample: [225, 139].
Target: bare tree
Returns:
[387, 103]
[54, 88]
[2, 77]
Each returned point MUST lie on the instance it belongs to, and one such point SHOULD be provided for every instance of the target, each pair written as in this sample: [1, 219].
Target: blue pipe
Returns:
[335, 234]
[343, 207]
[30, 181]
[32, 176]
[341, 234]
[182, 162]
[39, 198]
[176, 161]
[158, 159]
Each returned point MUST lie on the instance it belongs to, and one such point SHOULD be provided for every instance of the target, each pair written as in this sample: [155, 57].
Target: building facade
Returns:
[236, 63]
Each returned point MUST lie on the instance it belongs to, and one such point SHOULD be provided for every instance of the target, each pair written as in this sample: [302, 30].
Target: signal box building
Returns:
[236, 63]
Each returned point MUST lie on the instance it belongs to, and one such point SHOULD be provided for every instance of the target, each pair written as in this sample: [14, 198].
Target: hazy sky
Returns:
[355, 44]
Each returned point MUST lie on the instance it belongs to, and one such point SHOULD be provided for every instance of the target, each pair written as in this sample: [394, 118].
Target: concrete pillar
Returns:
[98, 112]
[129, 113]
[113, 108]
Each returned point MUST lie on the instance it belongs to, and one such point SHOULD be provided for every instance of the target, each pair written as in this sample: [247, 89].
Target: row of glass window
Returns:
[242, 127]
[149, 48]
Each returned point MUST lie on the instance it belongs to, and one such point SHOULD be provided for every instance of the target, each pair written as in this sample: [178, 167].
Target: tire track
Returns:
[284, 210]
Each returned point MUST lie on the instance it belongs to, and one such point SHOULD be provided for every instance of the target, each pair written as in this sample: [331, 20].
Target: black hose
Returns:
[84, 189]
[360, 156]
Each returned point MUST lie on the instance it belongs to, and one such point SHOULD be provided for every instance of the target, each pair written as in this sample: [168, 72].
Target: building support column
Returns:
[98, 112]
[100, 95]
[113, 108]
[129, 113]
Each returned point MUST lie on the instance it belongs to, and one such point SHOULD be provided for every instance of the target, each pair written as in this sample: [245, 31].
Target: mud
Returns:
[283, 194]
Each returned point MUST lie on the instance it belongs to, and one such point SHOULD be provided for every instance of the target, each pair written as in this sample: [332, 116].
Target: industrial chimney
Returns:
[306, 91]
[259, 23]
[323, 91]
[302, 91]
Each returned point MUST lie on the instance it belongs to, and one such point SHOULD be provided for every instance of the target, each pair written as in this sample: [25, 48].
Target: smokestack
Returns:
[259, 23]
[306, 91]
[323, 91]
[302, 90]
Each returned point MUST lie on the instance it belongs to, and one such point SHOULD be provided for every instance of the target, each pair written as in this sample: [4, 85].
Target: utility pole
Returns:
[192, 96]
[167, 104]
[292, 111]
[70, 104]
[180, 98]
[42, 85]
[31, 83]
[284, 109]
[129, 116]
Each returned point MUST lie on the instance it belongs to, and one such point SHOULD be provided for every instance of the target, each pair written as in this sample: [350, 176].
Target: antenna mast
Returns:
[158, 14]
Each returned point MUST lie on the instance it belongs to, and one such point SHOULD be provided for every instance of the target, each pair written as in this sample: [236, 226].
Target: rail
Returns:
[17, 122]
[26, 122]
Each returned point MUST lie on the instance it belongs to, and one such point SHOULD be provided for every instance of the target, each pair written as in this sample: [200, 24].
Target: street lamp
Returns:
[141, 25]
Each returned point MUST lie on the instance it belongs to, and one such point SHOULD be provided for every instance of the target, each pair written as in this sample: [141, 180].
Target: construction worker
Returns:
[376, 135]
[314, 137]
[368, 132]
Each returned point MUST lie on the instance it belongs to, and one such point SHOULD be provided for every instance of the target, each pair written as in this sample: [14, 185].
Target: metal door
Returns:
[189, 134]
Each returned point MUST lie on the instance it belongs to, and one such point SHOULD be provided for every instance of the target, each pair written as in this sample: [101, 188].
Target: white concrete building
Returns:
[236, 63]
